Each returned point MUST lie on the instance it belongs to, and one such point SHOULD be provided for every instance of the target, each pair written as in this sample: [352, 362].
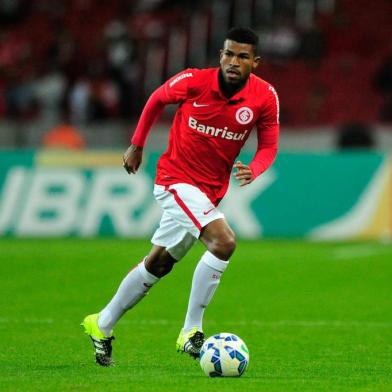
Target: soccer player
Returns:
[217, 110]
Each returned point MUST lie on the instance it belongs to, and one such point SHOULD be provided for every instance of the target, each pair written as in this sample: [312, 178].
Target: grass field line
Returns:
[236, 323]
[279, 323]
[360, 251]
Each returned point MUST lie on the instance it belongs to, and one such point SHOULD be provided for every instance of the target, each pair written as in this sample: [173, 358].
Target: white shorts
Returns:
[186, 210]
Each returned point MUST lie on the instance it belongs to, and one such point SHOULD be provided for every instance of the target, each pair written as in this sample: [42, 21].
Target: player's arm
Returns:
[267, 149]
[263, 159]
[243, 174]
[173, 91]
[133, 156]
[267, 146]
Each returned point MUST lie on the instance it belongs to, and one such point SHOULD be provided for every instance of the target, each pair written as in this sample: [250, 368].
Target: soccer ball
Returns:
[224, 355]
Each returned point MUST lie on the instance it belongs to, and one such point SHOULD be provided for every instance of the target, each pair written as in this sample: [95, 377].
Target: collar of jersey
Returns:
[240, 96]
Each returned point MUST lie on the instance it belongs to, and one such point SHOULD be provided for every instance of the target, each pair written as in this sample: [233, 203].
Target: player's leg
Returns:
[135, 286]
[194, 212]
[170, 244]
[220, 241]
[132, 289]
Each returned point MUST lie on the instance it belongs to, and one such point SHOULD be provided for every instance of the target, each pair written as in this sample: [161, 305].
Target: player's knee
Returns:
[160, 270]
[223, 246]
[160, 264]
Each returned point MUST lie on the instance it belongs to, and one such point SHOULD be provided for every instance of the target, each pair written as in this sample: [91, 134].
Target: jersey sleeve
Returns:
[150, 114]
[267, 135]
[175, 90]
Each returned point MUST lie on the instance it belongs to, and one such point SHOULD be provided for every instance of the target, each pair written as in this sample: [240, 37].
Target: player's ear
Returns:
[256, 61]
[220, 54]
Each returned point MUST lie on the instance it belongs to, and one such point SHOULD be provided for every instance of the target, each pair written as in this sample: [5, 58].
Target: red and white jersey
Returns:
[209, 130]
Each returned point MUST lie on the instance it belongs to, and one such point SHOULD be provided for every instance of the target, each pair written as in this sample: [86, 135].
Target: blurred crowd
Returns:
[76, 59]
[85, 60]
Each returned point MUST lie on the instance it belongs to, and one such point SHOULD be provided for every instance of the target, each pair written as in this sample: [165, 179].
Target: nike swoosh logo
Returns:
[199, 105]
[208, 211]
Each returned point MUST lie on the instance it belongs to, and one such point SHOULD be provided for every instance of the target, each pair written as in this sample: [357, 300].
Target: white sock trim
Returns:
[147, 276]
[212, 261]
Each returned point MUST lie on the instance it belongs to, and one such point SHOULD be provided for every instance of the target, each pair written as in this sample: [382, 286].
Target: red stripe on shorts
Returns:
[185, 208]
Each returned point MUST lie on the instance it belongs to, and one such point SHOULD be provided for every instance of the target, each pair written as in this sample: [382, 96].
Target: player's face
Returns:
[237, 61]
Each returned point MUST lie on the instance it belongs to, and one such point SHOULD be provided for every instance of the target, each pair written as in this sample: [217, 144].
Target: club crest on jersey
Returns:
[244, 115]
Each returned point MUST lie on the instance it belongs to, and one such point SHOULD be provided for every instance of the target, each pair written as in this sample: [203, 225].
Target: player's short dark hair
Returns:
[243, 35]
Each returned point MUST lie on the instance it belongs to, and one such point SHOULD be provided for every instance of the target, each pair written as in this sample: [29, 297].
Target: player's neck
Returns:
[228, 90]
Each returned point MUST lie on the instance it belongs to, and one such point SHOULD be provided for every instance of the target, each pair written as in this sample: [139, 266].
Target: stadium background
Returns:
[75, 75]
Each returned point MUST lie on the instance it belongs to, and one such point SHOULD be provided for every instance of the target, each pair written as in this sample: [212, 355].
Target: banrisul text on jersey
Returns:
[224, 132]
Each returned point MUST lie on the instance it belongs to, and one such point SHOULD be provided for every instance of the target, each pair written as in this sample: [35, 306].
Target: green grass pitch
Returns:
[316, 317]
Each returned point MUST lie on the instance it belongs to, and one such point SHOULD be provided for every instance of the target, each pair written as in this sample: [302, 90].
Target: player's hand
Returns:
[243, 174]
[132, 158]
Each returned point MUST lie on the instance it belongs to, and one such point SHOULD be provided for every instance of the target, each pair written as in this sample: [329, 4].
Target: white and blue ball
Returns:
[224, 355]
